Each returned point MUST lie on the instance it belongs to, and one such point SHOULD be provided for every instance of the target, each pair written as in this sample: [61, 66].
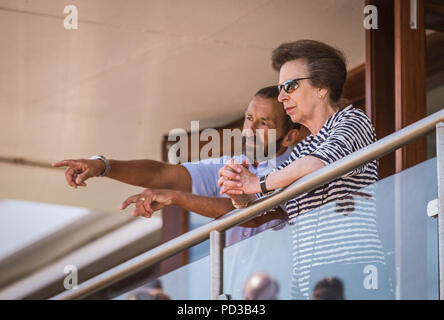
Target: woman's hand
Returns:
[235, 179]
[149, 201]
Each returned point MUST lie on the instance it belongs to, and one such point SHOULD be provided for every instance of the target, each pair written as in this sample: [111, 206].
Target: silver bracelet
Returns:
[107, 164]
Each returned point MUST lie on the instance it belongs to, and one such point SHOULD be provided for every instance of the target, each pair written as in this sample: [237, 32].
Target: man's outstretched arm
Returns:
[212, 207]
[151, 200]
[142, 173]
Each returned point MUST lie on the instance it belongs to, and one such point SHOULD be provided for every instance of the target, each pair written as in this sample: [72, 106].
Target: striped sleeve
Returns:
[352, 133]
[290, 159]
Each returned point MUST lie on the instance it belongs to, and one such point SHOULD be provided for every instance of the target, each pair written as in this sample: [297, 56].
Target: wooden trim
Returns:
[174, 224]
[379, 79]
[354, 88]
[435, 60]
[435, 6]
[410, 106]
[434, 15]
[410, 94]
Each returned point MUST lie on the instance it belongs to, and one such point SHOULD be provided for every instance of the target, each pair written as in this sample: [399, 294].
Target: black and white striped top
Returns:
[342, 233]
[345, 132]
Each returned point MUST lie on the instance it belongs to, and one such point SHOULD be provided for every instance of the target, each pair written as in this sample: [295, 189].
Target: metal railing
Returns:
[303, 185]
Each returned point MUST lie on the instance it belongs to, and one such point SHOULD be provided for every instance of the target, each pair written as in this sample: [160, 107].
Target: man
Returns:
[171, 184]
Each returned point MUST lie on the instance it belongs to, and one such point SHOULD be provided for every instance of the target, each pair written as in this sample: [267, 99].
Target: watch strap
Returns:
[262, 180]
[107, 164]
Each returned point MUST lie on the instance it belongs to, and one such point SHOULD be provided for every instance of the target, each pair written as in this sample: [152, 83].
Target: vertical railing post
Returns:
[440, 165]
[217, 243]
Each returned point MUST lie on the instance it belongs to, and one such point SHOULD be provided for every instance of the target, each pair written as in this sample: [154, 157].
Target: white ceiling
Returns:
[136, 69]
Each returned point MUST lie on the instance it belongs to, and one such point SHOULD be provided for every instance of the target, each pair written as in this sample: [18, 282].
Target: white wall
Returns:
[134, 70]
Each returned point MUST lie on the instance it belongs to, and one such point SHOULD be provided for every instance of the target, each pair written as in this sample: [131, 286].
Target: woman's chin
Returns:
[294, 117]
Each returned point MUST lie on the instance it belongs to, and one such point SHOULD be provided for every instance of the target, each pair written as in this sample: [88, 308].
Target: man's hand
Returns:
[228, 172]
[236, 179]
[149, 201]
[80, 170]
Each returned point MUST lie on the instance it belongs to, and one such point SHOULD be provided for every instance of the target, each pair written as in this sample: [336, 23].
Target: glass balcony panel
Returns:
[378, 243]
[190, 282]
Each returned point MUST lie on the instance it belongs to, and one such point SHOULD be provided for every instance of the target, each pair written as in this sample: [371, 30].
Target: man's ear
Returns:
[290, 138]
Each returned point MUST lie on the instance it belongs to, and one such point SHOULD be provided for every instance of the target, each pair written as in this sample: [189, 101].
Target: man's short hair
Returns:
[272, 92]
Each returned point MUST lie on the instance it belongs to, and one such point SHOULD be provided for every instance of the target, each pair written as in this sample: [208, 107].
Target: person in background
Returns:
[329, 288]
[150, 291]
[260, 286]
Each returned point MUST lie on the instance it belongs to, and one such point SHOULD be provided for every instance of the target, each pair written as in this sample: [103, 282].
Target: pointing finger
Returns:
[63, 163]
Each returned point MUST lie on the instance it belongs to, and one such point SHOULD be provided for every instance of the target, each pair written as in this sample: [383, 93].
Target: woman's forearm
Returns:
[278, 214]
[294, 171]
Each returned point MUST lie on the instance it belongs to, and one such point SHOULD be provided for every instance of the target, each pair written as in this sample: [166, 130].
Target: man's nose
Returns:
[249, 129]
[249, 132]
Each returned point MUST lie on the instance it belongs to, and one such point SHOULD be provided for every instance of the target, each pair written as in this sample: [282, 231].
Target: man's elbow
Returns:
[174, 177]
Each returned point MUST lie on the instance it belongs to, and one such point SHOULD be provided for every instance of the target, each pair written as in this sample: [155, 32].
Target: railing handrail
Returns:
[236, 217]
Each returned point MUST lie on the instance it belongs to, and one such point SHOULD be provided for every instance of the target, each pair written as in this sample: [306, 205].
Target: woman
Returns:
[311, 79]
[337, 239]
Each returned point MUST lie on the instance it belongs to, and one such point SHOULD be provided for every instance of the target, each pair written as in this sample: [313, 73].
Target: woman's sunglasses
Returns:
[290, 85]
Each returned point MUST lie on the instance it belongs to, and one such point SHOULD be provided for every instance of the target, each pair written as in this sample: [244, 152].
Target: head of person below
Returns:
[311, 79]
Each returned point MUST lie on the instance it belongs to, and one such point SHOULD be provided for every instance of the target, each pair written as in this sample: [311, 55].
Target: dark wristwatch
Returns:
[262, 184]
